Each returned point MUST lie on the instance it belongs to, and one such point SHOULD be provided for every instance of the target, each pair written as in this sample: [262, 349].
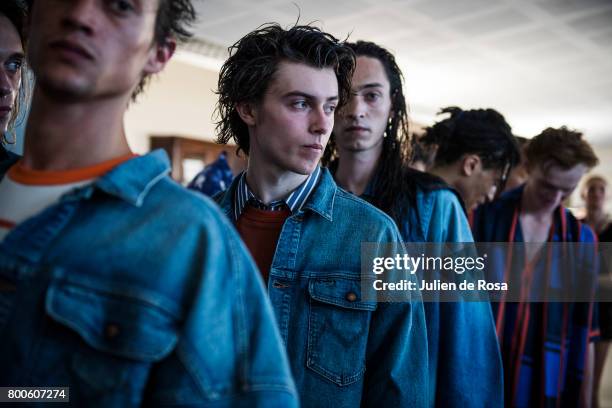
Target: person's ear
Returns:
[247, 112]
[469, 164]
[159, 56]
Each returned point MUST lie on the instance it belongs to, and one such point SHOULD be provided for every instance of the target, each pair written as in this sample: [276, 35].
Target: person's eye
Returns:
[329, 109]
[300, 104]
[14, 66]
[372, 96]
[121, 6]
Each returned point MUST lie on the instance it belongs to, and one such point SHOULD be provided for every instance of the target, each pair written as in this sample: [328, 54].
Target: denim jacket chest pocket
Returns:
[117, 339]
[338, 327]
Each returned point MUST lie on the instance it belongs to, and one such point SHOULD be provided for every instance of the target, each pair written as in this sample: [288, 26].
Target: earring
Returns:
[386, 133]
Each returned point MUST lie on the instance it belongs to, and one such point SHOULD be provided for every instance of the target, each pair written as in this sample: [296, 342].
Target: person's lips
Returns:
[5, 110]
[314, 146]
[357, 129]
[71, 48]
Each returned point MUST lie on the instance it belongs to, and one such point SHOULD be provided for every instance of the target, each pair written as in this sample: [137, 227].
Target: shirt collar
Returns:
[294, 201]
[133, 179]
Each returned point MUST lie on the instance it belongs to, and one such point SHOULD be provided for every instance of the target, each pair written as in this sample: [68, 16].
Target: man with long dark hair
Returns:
[115, 281]
[369, 157]
[277, 96]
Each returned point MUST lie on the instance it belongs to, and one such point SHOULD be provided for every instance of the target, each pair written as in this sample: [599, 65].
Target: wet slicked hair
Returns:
[254, 60]
[391, 193]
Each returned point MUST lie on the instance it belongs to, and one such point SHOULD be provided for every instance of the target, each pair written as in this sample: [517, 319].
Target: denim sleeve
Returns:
[397, 367]
[229, 351]
[448, 222]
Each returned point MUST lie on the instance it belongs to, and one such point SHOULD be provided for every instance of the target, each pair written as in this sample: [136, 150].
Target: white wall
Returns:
[179, 101]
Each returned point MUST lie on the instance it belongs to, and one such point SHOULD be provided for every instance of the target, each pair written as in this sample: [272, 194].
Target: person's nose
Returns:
[355, 107]
[6, 84]
[322, 121]
[81, 15]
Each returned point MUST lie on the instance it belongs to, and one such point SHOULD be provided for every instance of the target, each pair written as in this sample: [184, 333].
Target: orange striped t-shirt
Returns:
[25, 192]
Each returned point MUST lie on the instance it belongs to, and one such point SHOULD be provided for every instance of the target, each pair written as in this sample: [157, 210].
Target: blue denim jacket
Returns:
[464, 359]
[7, 159]
[133, 291]
[344, 351]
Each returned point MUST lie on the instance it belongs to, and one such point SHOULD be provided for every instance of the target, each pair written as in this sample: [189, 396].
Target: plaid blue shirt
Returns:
[294, 201]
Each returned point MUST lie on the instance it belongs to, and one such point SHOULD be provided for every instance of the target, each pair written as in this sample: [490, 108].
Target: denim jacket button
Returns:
[111, 331]
[351, 297]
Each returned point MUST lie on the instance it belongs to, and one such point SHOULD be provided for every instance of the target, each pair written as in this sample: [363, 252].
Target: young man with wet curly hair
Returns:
[545, 346]
[277, 95]
[370, 158]
[115, 281]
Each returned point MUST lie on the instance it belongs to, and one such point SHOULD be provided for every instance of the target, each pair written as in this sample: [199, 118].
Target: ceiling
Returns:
[539, 62]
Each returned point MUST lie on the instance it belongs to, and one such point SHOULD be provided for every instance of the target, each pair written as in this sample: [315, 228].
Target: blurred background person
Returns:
[13, 91]
[475, 152]
[594, 194]
[218, 175]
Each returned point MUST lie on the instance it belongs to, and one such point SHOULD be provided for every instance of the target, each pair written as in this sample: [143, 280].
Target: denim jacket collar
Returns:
[320, 201]
[132, 180]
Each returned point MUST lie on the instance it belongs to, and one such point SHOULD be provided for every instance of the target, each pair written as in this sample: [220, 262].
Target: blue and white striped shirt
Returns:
[294, 201]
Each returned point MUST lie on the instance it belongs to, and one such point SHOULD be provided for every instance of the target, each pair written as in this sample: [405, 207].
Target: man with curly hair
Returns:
[277, 95]
[115, 281]
[545, 346]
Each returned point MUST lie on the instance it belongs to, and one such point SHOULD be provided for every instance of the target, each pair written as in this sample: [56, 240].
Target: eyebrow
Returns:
[13, 54]
[370, 85]
[308, 96]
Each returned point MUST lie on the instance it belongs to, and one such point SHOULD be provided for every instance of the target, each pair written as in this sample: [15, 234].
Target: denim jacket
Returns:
[7, 159]
[343, 350]
[465, 365]
[132, 290]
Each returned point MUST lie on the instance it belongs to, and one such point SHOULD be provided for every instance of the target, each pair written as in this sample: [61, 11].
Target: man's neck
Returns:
[446, 173]
[356, 169]
[530, 205]
[63, 136]
[271, 184]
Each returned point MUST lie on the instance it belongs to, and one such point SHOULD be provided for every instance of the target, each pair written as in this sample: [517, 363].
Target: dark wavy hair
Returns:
[483, 132]
[16, 12]
[254, 59]
[565, 147]
[392, 190]
[173, 20]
